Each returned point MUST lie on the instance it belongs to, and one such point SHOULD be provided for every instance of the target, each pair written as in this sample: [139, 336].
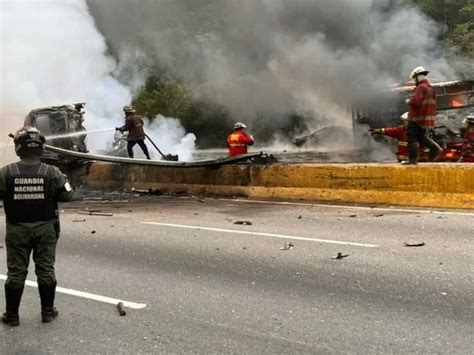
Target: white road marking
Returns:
[282, 236]
[87, 295]
[471, 214]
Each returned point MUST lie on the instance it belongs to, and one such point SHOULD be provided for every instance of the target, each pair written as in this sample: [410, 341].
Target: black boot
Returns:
[412, 154]
[48, 311]
[12, 299]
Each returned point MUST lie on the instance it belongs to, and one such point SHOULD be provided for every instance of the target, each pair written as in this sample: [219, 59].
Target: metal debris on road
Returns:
[150, 191]
[287, 246]
[245, 223]
[340, 256]
[96, 213]
[419, 244]
[121, 309]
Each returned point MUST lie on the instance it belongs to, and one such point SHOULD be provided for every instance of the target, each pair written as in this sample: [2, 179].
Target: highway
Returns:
[235, 276]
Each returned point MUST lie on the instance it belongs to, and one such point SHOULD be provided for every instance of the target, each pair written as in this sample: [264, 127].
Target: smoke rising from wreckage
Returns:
[267, 59]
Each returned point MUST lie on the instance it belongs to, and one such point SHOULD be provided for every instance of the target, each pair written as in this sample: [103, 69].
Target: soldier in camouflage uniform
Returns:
[30, 191]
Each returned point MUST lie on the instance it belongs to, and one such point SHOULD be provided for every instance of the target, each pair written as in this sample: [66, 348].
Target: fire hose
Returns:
[158, 149]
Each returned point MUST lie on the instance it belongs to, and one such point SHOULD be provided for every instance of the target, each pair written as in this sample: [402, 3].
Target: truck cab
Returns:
[62, 127]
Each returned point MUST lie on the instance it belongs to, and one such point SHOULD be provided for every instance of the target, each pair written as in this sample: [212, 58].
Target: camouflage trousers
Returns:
[24, 239]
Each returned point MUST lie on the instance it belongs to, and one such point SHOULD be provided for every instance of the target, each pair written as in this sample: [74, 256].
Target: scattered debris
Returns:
[201, 200]
[379, 215]
[93, 232]
[287, 246]
[196, 214]
[340, 256]
[217, 248]
[444, 293]
[78, 220]
[150, 191]
[95, 213]
[353, 216]
[121, 309]
[245, 223]
[300, 216]
[419, 244]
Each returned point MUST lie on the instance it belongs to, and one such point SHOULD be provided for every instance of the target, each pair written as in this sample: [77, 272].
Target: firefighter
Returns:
[136, 134]
[468, 146]
[238, 140]
[421, 117]
[30, 191]
[399, 132]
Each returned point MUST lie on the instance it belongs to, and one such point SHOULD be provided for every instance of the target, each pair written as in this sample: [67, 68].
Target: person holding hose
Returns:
[136, 134]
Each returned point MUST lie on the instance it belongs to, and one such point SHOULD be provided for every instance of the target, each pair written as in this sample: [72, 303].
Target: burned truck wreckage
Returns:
[63, 127]
[66, 135]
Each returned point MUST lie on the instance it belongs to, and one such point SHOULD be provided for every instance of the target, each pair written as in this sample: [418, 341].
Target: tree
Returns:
[167, 97]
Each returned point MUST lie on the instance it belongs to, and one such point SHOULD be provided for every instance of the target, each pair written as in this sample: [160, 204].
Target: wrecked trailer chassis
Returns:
[173, 164]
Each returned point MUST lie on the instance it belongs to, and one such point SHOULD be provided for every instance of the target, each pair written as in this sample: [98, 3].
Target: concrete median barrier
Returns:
[429, 185]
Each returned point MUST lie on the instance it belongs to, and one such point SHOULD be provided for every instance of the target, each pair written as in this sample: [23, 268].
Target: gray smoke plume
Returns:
[271, 58]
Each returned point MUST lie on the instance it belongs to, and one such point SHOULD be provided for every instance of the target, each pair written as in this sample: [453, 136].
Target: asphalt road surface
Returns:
[194, 281]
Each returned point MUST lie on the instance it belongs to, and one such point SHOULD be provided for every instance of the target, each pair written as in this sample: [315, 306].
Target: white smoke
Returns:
[53, 54]
[170, 137]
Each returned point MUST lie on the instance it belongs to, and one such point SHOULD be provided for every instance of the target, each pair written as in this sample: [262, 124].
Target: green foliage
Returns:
[457, 20]
[171, 97]
[167, 97]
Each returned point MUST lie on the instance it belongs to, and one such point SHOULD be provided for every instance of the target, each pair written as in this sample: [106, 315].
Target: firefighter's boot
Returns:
[12, 300]
[412, 154]
[48, 311]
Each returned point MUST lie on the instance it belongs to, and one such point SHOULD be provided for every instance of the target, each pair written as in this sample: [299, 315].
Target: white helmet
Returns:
[469, 119]
[418, 71]
[404, 117]
[240, 125]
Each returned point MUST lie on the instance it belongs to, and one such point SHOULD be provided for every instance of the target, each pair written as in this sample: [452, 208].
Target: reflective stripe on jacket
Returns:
[400, 133]
[422, 105]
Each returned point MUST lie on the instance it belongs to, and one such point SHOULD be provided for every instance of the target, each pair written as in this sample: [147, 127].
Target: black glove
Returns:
[118, 129]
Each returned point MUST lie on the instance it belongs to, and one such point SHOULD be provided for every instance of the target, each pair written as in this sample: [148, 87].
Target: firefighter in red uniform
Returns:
[468, 147]
[238, 140]
[397, 132]
[421, 117]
